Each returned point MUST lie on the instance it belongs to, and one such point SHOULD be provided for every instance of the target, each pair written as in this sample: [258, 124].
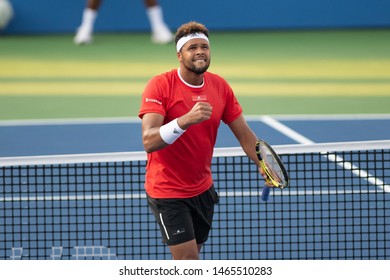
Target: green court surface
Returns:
[289, 72]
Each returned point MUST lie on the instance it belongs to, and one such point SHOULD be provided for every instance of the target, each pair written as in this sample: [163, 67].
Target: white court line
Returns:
[297, 137]
[71, 121]
[143, 196]
[73, 197]
[119, 120]
[337, 159]
[325, 117]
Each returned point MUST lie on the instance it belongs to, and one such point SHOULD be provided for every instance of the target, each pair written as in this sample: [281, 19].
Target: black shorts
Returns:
[185, 219]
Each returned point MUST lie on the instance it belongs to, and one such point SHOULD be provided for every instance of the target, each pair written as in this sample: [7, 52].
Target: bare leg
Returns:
[150, 3]
[94, 4]
[186, 251]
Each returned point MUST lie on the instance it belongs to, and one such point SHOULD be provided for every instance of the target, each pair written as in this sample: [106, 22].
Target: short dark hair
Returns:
[190, 28]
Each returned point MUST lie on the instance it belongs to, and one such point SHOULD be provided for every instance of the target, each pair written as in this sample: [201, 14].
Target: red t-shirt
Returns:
[182, 169]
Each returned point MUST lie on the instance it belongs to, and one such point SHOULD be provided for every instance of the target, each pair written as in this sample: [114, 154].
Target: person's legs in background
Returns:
[160, 31]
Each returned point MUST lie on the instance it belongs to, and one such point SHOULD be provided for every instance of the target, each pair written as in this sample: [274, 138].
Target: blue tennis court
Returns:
[51, 137]
[335, 208]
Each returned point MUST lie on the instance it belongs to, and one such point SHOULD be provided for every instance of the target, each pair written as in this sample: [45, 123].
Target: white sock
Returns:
[89, 17]
[155, 16]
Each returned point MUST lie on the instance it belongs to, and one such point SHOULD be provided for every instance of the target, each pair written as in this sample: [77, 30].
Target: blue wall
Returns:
[63, 16]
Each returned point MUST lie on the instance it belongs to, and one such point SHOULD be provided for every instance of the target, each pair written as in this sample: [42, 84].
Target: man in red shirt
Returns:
[181, 111]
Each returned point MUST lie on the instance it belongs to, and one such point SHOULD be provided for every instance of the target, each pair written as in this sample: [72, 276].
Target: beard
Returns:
[197, 69]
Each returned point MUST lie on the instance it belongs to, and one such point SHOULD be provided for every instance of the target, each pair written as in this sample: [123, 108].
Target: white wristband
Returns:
[171, 131]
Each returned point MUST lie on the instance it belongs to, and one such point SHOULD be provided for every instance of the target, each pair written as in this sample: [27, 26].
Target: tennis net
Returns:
[93, 206]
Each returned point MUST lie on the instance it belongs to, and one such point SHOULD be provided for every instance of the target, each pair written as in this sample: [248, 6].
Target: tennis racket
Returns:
[272, 166]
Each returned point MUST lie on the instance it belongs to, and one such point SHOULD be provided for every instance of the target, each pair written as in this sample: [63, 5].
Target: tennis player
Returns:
[160, 31]
[181, 111]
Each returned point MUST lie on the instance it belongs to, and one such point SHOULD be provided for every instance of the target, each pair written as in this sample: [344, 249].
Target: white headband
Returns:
[185, 39]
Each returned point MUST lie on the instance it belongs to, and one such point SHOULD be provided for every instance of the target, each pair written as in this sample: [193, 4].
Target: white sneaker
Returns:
[83, 36]
[162, 35]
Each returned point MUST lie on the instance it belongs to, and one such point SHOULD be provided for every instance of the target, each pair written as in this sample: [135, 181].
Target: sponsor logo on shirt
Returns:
[153, 100]
[202, 97]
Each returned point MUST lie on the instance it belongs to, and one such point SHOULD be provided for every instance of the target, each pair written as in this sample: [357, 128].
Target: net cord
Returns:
[218, 152]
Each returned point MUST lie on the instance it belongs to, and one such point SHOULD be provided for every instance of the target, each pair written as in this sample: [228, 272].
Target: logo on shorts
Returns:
[179, 231]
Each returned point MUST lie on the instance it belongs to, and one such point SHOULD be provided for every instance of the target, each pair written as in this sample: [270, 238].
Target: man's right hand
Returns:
[199, 113]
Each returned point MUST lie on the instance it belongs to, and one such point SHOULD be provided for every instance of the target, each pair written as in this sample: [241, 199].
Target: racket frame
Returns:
[270, 179]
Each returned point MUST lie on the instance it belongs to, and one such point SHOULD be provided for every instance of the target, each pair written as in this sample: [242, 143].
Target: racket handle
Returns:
[265, 193]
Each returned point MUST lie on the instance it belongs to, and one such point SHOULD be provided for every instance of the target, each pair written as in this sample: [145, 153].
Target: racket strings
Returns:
[275, 172]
